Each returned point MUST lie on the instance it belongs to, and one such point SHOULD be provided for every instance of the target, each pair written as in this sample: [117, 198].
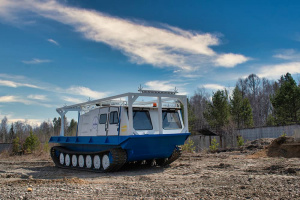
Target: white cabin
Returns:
[104, 121]
[112, 117]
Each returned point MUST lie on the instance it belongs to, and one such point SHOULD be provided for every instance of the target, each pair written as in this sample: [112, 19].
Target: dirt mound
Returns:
[286, 147]
[258, 143]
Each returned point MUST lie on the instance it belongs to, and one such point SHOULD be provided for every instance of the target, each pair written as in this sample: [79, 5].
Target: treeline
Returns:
[254, 102]
[21, 130]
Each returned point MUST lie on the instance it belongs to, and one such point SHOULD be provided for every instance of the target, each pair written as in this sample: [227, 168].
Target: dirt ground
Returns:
[224, 175]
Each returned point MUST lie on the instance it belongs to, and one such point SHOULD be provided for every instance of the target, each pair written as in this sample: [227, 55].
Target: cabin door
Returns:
[103, 121]
[113, 122]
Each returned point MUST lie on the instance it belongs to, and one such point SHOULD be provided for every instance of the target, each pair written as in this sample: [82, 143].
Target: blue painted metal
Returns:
[138, 147]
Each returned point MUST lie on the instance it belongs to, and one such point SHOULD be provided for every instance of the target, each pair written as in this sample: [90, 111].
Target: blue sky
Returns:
[55, 53]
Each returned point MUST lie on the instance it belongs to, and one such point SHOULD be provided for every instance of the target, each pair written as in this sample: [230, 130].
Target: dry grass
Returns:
[41, 153]
[258, 154]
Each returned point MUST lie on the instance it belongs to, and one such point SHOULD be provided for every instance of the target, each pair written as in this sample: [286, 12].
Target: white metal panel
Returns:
[124, 122]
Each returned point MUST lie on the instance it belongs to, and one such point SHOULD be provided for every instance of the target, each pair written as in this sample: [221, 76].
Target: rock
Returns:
[29, 189]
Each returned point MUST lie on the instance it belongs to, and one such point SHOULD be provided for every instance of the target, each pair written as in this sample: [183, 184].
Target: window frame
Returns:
[110, 114]
[100, 118]
[171, 111]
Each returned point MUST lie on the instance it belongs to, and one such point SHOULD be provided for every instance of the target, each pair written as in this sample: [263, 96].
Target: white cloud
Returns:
[288, 54]
[35, 61]
[230, 60]
[165, 46]
[84, 91]
[32, 122]
[37, 97]
[53, 42]
[16, 84]
[159, 85]
[72, 100]
[213, 86]
[275, 71]
[7, 99]
[18, 99]
[166, 86]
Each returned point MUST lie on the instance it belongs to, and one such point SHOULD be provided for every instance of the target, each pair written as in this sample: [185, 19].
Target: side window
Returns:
[103, 118]
[113, 117]
[171, 120]
[142, 120]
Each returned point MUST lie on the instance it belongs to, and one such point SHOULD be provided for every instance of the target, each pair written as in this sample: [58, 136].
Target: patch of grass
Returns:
[188, 146]
[214, 145]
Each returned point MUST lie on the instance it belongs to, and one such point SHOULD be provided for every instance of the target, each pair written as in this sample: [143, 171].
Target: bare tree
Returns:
[198, 103]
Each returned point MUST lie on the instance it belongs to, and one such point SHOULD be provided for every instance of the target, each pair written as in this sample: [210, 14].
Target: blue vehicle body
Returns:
[138, 147]
[112, 132]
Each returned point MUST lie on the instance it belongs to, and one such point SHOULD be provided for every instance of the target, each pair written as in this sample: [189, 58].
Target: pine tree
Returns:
[286, 101]
[241, 110]
[247, 116]
[218, 111]
[236, 104]
[11, 133]
[72, 128]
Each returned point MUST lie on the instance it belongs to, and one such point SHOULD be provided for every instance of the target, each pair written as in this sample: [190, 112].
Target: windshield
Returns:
[141, 120]
[171, 120]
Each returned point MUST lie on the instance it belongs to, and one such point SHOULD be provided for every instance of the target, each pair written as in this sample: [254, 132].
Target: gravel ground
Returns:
[225, 175]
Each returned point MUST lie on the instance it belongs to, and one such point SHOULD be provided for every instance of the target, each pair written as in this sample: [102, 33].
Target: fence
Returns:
[270, 132]
[5, 146]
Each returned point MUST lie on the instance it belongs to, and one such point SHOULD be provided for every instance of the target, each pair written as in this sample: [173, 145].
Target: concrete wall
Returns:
[270, 132]
[202, 142]
[5, 146]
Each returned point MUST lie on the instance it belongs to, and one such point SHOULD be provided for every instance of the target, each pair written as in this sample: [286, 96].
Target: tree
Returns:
[286, 101]
[218, 111]
[56, 125]
[3, 129]
[31, 143]
[247, 117]
[196, 106]
[241, 110]
[11, 133]
[236, 104]
[258, 92]
[72, 128]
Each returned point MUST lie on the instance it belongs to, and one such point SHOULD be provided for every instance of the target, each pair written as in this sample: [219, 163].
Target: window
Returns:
[103, 118]
[142, 120]
[171, 120]
[113, 117]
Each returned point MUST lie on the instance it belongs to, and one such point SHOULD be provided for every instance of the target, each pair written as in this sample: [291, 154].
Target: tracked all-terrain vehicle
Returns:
[117, 130]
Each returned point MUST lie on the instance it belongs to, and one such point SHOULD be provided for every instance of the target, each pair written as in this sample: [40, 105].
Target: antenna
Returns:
[140, 89]
[175, 90]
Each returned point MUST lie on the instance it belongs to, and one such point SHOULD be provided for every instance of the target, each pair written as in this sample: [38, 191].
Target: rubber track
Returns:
[175, 155]
[119, 158]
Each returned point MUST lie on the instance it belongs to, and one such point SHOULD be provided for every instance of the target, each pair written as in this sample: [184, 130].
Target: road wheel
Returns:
[97, 162]
[61, 158]
[74, 161]
[105, 162]
[81, 161]
[67, 160]
[88, 161]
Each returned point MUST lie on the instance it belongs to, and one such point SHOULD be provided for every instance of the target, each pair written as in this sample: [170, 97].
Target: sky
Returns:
[56, 53]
